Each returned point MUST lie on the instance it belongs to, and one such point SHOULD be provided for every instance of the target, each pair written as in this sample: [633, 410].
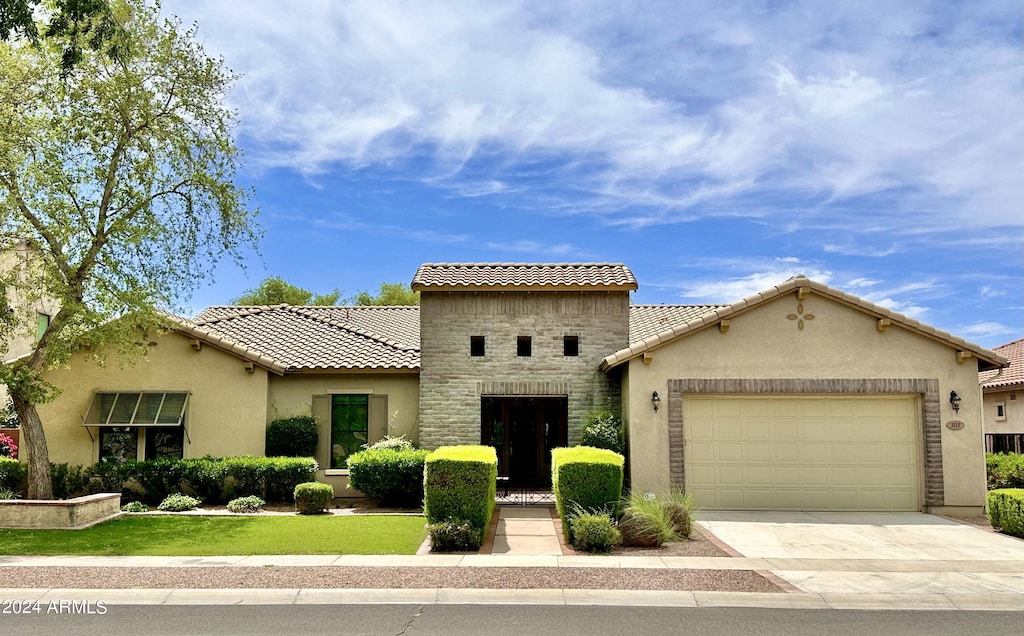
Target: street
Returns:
[448, 620]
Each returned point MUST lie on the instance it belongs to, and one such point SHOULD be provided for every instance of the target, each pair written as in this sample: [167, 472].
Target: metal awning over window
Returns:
[146, 408]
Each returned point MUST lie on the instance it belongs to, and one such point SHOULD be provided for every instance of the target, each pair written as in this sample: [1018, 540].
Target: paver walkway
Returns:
[526, 530]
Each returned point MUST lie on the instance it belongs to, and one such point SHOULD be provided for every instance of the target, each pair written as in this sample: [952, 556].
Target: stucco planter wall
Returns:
[80, 512]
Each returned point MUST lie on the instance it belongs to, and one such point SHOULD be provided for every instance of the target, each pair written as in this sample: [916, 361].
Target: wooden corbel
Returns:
[723, 325]
[196, 344]
[883, 324]
[802, 293]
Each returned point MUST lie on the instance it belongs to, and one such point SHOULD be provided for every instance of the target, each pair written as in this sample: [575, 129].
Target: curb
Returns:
[567, 597]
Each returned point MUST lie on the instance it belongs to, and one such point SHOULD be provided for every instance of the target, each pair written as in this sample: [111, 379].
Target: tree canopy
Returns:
[117, 183]
[388, 294]
[72, 23]
[276, 290]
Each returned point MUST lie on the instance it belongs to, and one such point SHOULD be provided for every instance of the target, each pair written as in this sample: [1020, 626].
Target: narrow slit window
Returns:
[1000, 411]
[477, 346]
[524, 346]
[570, 346]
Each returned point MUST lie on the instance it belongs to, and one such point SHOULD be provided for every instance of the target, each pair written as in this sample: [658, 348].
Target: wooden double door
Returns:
[523, 430]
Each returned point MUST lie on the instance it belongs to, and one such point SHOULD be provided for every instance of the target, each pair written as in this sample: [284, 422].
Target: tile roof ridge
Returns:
[240, 312]
[306, 312]
[526, 264]
[222, 341]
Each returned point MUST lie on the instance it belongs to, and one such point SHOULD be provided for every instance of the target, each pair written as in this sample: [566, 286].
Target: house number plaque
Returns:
[954, 425]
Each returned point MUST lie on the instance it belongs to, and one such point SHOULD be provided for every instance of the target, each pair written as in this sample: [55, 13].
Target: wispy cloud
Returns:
[542, 251]
[986, 330]
[808, 99]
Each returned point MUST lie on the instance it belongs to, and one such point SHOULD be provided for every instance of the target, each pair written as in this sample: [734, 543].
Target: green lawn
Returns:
[211, 536]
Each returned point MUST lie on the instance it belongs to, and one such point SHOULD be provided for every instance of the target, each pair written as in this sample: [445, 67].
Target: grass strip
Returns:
[165, 535]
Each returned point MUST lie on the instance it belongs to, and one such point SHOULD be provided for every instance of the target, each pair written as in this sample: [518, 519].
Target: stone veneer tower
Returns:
[493, 331]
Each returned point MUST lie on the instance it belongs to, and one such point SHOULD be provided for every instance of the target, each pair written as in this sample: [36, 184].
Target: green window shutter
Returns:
[378, 418]
[322, 415]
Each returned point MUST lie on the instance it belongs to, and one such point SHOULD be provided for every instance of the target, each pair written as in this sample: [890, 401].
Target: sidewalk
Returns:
[527, 567]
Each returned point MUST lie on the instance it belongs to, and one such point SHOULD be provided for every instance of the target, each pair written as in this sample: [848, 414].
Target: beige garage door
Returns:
[802, 452]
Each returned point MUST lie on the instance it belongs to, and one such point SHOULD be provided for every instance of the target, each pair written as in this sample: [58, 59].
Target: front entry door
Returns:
[523, 430]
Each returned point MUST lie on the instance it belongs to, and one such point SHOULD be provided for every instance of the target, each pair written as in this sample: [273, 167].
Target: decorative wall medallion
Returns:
[800, 316]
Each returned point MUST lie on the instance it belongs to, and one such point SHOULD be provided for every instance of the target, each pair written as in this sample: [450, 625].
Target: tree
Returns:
[118, 180]
[388, 294]
[71, 22]
[276, 290]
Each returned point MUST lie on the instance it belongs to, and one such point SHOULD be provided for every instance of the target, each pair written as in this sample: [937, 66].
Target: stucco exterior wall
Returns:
[1013, 399]
[226, 415]
[452, 381]
[839, 342]
[292, 395]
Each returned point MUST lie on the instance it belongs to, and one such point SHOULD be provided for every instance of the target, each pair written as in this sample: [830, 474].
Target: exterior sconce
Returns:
[954, 401]
[655, 401]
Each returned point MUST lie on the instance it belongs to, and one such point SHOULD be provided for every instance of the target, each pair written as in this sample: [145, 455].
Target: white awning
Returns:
[139, 408]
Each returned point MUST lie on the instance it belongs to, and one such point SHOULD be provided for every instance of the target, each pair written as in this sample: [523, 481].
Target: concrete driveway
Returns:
[874, 552]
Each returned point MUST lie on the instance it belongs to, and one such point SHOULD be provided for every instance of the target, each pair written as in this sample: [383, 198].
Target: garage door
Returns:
[802, 452]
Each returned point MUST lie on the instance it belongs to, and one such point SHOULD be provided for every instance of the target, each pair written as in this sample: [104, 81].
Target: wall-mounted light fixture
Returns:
[954, 401]
[655, 401]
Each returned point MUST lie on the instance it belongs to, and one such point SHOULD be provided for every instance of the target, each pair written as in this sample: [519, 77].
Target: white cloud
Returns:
[728, 290]
[986, 330]
[645, 117]
[542, 250]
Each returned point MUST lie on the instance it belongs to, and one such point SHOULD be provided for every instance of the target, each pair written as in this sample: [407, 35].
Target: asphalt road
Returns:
[449, 620]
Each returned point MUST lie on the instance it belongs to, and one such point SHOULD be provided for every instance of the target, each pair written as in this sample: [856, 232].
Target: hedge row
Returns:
[395, 476]
[1005, 509]
[214, 480]
[585, 478]
[1005, 470]
[459, 487]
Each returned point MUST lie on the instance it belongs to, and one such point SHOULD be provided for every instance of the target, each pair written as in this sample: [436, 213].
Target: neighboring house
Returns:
[1003, 393]
[801, 397]
[31, 315]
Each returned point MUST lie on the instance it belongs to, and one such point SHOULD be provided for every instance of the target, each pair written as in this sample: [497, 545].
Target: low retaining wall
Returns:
[58, 514]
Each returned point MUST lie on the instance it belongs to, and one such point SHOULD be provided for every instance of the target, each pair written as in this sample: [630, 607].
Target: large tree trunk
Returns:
[40, 484]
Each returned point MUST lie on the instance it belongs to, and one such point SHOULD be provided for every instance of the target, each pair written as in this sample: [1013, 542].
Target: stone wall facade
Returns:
[452, 381]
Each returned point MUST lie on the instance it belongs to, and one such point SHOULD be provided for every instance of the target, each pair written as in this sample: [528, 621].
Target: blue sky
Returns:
[717, 148]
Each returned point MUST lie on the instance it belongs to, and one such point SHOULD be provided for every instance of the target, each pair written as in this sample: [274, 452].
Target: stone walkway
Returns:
[526, 530]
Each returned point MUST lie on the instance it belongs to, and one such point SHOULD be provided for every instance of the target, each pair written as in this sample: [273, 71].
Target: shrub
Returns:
[454, 536]
[135, 506]
[395, 476]
[7, 493]
[392, 443]
[593, 531]
[647, 522]
[1005, 509]
[459, 485]
[590, 478]
[13, 475]
[603, 429]
[7, 447]
[1005, 470]
[70, 481]
[313, 498]
[292, 437]
[248, 504]
[178, 503]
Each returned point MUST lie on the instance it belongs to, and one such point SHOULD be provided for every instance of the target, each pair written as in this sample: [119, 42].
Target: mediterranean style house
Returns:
[1003, 399]
[801, 397]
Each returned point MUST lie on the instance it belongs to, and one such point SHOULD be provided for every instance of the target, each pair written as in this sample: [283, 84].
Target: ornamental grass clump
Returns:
[647, 521]
[178, 503]
[313, 498]
[246, 505]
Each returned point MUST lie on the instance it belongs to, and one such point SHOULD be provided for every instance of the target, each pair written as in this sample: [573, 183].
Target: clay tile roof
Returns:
[321, 338]
[649, 320]
[534, 276]
[1013, 374]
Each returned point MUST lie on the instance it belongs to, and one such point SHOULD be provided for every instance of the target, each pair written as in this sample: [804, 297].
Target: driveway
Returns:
[874, 552]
